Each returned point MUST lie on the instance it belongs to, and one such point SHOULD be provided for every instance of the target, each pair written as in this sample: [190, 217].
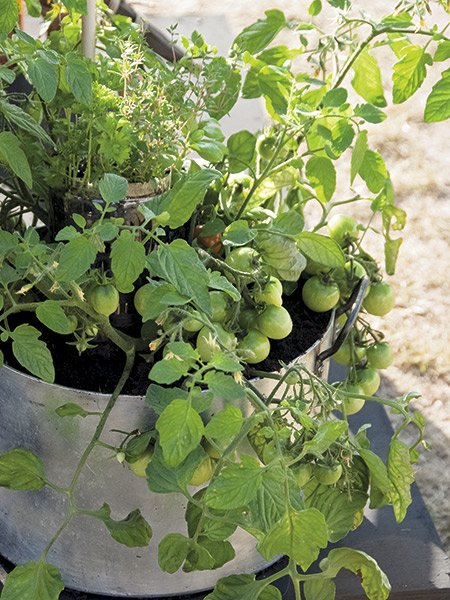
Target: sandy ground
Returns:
[418, 156]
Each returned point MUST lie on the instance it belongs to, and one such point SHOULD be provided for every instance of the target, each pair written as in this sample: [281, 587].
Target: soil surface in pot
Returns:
[98, 369]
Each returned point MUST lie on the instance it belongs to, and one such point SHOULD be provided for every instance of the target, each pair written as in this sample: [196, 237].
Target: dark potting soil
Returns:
[98, 369]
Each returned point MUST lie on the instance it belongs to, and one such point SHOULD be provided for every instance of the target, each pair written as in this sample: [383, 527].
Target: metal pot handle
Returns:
[354, 303]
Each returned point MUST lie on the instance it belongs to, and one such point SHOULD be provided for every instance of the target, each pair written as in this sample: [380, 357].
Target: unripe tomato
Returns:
[243, 259]
[380, 355]
[368, 379]
[380, 300]
[344, 355]
[104, 299]
[352, 404]
[302, 473]
[320, 296]
[73, 322]
[208, 344]
[254, 347]
[327, 474]
[142, 297]
[275, 322]
[342, 227]
[270, 293]
[247, 318]
[191, 324]
[266, 146]
[219, 306]
[139, 466]
[203, 472]
[355, 269]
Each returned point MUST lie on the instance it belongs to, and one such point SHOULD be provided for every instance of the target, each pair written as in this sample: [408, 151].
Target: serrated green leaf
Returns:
[358, 154]
[79, 6]
[225, 424]
[33, 581]
[380, 484]
[243, 587]
[163, 479]
[51, 314]
[373, 171]
[14, 157]
[275, 85]
[133, 531]
[321, 175]
[438, 102]
[182, 200]
[172, 551]
[442, 51]
[299, 534]
[321, 249]
[238, 233]
[79, 77]
[401, 475]
[221, 552]
[367, 79]
[180, 431]
[409, 72]
[224, 386]
[335, 98]
[281, 256]
[257, 36]
[9, 15]
[319, 589]
[326, 435]
[218, 282]
[113, 188]
[236, 485]
[44, 75]
[169, 370]
[241, 150]
[14, 114]
[32, 353]
[127, 261]
[75, 259]
[370, 113]
[8, 242]
[374, 582]
[21, 470]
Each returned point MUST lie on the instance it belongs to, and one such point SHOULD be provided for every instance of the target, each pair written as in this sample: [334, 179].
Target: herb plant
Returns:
[209, 265]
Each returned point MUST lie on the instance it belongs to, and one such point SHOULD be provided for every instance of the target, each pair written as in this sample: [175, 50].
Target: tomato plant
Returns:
[266, 146]
[254, 347]
[380, 300]
[104, 299]
[210, 343]
[275, 322]
[270, 293]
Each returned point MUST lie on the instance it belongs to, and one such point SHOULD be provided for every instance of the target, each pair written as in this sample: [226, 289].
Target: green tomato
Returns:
[320, 296]
[203, 472]
[192, 324]
[243, 259]
[368, 379]
[254, 347]
[275, 322]
[380, 355]
[219, 306]
[380, 300]
[327, 474]
[352, 404]
[270, 293]
[302, 473]
[342, 227]
[247, 318]
[209, 343]
[143, 297]
[266, 146]
[73, 322]
[139, 466]
[104, 299]
[355, 269]
[344, 355]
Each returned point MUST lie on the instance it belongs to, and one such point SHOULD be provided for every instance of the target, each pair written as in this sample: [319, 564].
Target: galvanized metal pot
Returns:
[89, 559]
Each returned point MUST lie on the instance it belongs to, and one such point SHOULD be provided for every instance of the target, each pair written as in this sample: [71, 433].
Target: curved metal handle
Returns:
[354, 302]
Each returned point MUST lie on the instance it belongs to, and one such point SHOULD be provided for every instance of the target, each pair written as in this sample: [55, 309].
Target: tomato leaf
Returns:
[51, 314]
[358, 154]
[180, 431]
[75, 259]
[44, 75]
[374, 582]
[169, 370]
[373, 171]
[127, 260]
[71, 409]
[321, 175]
[225, 424]
[370, 113]
[218, 282]
[236, 485]
[79, 77]
[113, 188]
[299, 534]
[321, 249]
[257, 36]
[172, 551]
[241, 150]
[32, 353]
[33, 581]
[326, 435]
[132, 531]
[14, 157]
[244, 587]
[164, 479]
[224, 386]
[367, 79]
[21, 470]
[9, 15]
[16, 115]
[401, 475]
[438, 102]
[409, 72]
[319, 589]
